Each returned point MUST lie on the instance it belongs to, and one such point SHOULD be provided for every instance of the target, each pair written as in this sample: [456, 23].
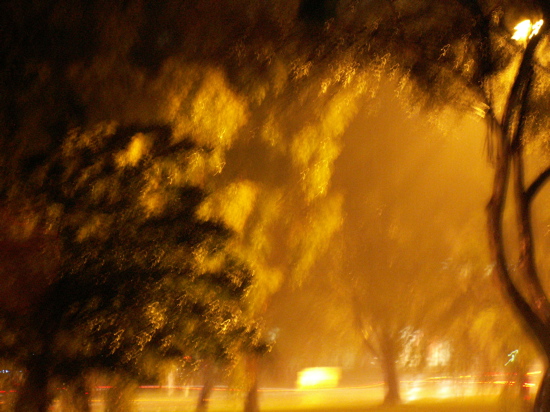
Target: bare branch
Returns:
[526, 260]
[535, 314]
[537, 184]
[494, 212]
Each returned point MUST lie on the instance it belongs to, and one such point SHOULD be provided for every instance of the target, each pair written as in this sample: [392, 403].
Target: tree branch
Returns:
[537, 184]
[496, 241]
[359, 324]
[508, 140]
[411, 45]
[515, 116]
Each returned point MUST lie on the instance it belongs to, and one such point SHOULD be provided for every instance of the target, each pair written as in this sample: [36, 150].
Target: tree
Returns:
[487, 336]
[111, 128]
[462, 54]
[399, 232]
[142, 279]
[274, 190]
[138, 276]
[393, 279]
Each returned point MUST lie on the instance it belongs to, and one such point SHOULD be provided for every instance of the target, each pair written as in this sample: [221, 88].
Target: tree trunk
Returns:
[35, 395]
[531, 303]
[77, 396]
[204, 396]
[389, 360]
[120, 398]
[251, 403]
[542, 401]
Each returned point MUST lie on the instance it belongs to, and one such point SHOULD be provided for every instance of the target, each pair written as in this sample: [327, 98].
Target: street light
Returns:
[525, 30]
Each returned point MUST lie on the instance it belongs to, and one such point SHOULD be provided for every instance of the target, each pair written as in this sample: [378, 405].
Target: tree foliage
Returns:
[462, 54]
[114, 120]
[141, 277]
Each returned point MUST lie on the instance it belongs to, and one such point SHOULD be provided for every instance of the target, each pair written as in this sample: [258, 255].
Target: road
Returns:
[154, 399]
[223, 399]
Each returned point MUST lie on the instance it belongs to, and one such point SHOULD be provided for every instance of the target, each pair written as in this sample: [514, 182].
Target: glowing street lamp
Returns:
[525, 30]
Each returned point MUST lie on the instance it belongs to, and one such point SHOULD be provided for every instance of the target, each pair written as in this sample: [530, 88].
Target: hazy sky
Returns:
[439, 182]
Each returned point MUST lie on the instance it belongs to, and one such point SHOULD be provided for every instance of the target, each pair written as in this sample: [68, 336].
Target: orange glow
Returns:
[318, 378]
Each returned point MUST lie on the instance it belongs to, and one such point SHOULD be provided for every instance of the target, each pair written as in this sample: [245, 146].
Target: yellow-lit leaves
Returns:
[260, 247]
[311, 239]
[201, 105]
[92, 138]
[269, 214]
[317, 145]
[343, 74]
[272, 134]
[154, 194]
[217, 112]
[197, 168]
[97, 226]
[232, 205]
[207, 262]
[136, 150]
[156, 315]
[162, 175]
[213, 114]
[267, 281]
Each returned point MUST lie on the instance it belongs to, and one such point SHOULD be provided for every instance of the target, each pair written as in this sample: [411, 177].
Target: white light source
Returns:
[525, 30]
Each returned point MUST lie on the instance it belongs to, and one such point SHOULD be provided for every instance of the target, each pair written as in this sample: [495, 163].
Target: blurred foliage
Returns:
[155, 147]
[116, 120]
[140, 278]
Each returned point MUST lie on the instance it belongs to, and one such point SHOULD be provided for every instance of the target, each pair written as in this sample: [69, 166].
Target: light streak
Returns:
[512, 357]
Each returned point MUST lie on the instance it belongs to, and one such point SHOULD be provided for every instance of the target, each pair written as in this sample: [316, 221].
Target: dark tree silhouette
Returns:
[141, 277]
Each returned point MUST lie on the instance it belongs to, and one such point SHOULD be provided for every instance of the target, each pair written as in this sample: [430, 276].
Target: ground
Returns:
[334, 400]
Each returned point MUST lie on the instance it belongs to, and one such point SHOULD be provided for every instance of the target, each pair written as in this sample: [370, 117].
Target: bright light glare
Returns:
[446, 390]
[536, 27]
[522, 30]
[318, 378]
[525, 30]
[413, 394]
